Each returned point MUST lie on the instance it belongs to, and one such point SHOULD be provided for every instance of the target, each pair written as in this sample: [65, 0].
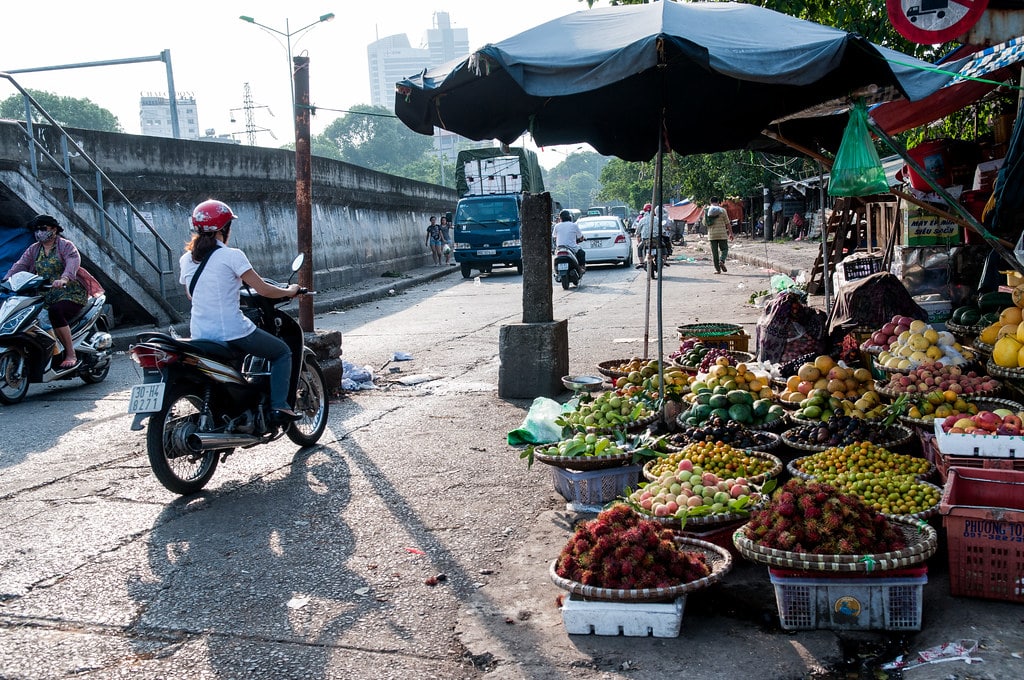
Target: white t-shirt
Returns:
[566, 234]
[216, 314]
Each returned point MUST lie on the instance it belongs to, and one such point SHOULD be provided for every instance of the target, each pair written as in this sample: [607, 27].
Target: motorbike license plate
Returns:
[562, 266]
[146, 398]
[486, 252]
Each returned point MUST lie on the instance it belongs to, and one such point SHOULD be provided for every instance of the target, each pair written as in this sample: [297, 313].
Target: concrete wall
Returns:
[365, 223]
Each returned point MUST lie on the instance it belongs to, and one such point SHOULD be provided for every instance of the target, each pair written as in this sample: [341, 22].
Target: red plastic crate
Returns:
[943, 461]
[983, 513]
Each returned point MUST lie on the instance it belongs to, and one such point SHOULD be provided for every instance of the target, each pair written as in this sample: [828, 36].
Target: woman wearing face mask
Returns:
[57, 260]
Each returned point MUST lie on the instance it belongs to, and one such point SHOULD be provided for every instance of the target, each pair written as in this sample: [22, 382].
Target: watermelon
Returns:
[740, 413]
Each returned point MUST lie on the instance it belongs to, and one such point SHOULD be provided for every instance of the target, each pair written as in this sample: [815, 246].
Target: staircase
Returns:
[841, 235]
[121, 248]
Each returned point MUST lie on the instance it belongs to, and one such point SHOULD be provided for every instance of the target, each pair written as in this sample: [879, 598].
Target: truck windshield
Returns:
[498, 210]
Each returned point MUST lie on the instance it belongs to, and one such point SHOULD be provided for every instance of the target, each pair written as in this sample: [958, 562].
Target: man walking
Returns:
[719, 234]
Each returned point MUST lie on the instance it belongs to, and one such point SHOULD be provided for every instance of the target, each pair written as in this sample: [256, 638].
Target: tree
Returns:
[574, 181]
[373, 137]
[67, 111]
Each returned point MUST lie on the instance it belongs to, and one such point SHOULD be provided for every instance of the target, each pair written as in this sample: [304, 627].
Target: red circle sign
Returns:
[930, 22]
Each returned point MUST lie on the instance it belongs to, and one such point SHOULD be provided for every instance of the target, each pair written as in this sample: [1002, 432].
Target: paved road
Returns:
[412, 542]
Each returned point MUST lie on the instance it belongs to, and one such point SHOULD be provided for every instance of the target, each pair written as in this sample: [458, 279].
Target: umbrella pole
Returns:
[660, 264]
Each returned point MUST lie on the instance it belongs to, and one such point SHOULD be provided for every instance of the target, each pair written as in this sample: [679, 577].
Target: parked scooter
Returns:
[203, 400]
[29, 349]
[567, 268]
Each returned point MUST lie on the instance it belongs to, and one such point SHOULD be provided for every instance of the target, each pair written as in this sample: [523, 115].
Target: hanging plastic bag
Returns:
[857, 170]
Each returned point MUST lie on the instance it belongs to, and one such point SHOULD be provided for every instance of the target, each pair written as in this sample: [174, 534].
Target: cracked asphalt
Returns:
[412, 542]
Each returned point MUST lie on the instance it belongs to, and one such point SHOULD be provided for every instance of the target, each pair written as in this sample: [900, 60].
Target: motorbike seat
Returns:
[211, 348]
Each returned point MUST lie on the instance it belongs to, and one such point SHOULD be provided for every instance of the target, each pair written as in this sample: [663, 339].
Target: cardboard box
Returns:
[922, 228]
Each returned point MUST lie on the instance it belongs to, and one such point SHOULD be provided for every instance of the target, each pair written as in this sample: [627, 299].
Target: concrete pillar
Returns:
[534, 355]
[326, 345]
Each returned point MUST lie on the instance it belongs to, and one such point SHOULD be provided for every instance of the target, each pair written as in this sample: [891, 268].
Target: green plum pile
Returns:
[609, 410]
[818, 518]
[718, 458]
[860, 457]
[621, 550]
[582, 445]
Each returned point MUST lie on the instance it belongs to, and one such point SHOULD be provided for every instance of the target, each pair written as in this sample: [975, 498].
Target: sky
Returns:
[214, 53]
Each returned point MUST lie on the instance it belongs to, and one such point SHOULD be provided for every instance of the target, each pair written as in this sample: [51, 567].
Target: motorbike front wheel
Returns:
[312, 403]
[176, 466]
[13, 375]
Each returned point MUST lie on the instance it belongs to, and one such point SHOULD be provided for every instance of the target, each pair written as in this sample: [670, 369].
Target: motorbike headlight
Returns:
[11, 324]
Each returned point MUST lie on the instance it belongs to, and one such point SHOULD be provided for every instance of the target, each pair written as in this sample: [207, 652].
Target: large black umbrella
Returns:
[634, 81]
[711, 76]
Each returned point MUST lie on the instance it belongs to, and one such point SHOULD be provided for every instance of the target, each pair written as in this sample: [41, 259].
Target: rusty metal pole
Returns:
[303, 188]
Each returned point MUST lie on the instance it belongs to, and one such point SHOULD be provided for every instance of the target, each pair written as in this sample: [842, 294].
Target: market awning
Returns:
[689, 212]
[992, 65]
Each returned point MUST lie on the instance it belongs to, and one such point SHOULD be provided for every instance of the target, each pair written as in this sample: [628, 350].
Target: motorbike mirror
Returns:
[297, 262]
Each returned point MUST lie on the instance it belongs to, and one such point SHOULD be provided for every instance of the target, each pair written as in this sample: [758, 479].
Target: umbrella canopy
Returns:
[713, 76]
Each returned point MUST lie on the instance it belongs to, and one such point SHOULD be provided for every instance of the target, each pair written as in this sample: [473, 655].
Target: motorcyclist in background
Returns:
[567, 233]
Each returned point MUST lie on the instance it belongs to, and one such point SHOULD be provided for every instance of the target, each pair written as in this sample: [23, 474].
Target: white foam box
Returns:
[981, 445]
[631, 619]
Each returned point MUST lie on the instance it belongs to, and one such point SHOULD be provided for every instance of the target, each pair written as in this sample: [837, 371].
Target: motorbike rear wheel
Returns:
[565, 282]
[313, 403]
[95, 375]
[13, 375]
[176, 466]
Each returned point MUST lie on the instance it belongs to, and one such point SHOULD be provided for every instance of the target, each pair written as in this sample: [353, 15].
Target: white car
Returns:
[607, 240]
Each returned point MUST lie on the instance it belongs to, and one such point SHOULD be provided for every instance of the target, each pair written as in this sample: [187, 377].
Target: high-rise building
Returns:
[393, 58]
[155, 116]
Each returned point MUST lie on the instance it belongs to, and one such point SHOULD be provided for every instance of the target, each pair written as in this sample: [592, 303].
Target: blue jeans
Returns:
[262, 344]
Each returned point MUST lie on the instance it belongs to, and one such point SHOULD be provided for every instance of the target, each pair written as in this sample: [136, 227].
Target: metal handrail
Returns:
[161, 261]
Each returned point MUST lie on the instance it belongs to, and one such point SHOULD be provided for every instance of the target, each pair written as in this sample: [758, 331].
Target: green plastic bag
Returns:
[857, 170]
[539, 426]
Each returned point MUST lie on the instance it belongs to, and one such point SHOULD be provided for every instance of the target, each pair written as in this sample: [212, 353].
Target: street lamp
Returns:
[288, 33]
[298, 72]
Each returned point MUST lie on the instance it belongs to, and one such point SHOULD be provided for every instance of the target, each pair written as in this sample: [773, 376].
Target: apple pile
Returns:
[888, 333]
[999, 422]
[928, 378]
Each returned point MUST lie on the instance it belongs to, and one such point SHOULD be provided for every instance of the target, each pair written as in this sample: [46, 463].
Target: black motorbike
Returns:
[29, 349]
[567, 269]
[203, 400]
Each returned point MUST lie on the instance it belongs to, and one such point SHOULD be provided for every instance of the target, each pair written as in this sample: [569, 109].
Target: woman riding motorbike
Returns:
[213, 273]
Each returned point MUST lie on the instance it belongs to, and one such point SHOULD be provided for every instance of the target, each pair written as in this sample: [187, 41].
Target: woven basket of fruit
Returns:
[840, 432]
[815, 526]
[708, 330]
[717, 429]
[920, 538]
[962, 333]
[627, 426]
[687, 498]
[984, 404]
[582, 452]
[756, 467]
[983, 348]
[611, 368]
[681, 564]
[584, 463]
[998, 371]
[777, 425]
[735, 358]
[858, 458]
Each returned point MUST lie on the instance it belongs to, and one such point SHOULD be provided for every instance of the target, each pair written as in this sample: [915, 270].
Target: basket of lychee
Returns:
[815, 526]
[620, 556]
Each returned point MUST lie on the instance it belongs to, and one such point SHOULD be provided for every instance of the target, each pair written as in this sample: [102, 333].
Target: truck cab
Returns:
[487, 233]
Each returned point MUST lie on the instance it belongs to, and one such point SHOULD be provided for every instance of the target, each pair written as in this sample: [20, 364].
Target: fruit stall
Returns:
[842, 474]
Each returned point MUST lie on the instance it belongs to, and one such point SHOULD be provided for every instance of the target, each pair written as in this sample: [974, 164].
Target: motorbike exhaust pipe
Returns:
[205, 441]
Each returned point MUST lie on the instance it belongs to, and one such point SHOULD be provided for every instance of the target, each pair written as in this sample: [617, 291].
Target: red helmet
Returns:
[211, 216]
[647, 207]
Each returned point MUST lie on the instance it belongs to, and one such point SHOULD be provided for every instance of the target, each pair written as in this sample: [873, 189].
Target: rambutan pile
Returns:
[814, 517]
[619, 549]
